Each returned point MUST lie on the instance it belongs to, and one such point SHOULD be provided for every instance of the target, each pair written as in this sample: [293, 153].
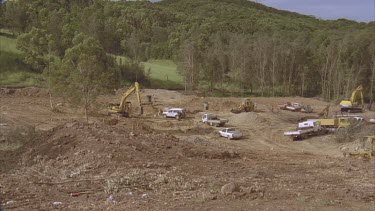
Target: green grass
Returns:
[163, 70]
[13, 71]
[163, 73]
[8, 44]
[20, 79]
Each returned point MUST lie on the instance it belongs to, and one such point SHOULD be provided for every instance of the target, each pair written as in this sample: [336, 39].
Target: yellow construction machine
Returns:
[353, 105]
[246, 106]
[124, 108]
[366, 149]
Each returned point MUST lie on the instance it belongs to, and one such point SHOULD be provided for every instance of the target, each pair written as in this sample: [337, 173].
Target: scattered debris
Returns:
[229, 188]
[9, 202]
[111, 199]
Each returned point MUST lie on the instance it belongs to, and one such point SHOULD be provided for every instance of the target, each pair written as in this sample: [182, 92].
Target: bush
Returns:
[131, 72]
[350, 133]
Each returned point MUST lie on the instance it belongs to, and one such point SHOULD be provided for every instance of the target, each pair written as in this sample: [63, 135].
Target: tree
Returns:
[188, 65]
[35, 46]
[16, 16]
[85, 72]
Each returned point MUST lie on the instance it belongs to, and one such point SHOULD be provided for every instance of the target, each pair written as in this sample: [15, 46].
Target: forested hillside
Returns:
[216, 44]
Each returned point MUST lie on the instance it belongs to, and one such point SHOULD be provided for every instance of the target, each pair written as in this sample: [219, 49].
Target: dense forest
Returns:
[252, 47]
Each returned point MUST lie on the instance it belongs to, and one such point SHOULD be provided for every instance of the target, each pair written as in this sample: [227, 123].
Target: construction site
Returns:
[147, 161]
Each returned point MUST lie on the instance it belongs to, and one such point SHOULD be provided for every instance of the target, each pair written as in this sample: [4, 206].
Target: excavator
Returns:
[353, 105]
[124, 107]
[246, 106]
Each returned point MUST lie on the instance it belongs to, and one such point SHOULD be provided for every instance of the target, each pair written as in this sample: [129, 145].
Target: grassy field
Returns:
[13, 72]
[164, 70]
[8, 44]
[163, 73]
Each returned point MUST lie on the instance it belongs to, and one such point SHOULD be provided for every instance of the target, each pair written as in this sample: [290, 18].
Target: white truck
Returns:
[177, 113]
[306, 129]
[213, 120]
[230, 133]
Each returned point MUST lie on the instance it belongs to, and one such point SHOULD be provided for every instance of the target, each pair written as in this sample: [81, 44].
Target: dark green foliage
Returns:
[12, 62]
[249, 46]
[132, 71]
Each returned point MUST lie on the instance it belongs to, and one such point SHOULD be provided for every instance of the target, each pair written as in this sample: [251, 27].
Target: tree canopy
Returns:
[269, 51]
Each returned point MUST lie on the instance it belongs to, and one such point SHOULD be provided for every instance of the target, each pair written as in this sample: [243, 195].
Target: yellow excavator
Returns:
[124, 108]
[353, 105]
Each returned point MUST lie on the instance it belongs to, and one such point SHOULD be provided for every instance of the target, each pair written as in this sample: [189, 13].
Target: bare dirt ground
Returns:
[57, 161]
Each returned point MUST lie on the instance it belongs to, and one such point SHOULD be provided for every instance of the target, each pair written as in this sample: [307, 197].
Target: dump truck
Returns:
[306, 129]
[213, 120]
[337, 123]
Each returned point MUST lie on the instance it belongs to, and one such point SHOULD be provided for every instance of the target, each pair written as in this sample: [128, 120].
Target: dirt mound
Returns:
[247, 118]
[24, 92]
[215, 104]
[199, 130]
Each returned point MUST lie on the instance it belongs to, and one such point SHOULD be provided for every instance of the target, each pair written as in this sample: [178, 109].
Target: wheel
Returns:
[228, 137]
[178, 117]
[165, 116]
[211, 123]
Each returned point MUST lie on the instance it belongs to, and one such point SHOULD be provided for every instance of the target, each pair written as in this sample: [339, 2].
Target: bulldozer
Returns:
[124, 108]
[366, 149]
[246, 106]
[353, 105]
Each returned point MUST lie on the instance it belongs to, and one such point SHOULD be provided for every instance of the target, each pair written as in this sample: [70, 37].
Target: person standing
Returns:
[205, 106]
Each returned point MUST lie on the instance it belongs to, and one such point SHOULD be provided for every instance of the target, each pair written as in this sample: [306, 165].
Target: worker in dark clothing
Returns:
[205, 105]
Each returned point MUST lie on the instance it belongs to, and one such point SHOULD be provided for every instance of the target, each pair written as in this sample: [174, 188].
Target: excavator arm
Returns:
[359, 90]
[125, 96]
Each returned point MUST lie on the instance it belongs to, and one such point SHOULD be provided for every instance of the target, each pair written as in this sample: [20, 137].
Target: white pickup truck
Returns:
[213, 120]
[230, 133]
[177, 113]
